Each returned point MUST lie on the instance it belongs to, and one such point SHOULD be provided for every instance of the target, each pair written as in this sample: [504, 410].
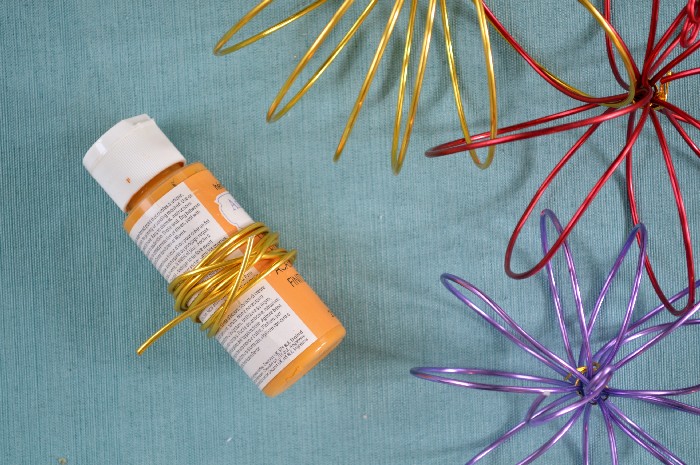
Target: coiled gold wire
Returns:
[400, 140]
[219, 278]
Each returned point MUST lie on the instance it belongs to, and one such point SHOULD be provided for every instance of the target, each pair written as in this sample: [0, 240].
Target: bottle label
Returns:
[262, 332]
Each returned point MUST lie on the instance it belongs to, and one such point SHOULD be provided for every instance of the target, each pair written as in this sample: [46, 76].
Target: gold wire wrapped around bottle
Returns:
[400, 141]
[219, 278]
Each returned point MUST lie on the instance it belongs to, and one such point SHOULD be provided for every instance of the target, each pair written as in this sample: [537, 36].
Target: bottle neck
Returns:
[151, 185]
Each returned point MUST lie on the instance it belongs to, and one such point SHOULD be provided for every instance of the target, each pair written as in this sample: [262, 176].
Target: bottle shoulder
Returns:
[158, 187]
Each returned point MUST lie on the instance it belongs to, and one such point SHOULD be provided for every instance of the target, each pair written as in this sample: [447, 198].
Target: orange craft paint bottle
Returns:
[276, 330]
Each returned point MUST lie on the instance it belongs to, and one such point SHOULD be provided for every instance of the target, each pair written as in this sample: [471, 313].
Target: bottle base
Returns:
[308, 359]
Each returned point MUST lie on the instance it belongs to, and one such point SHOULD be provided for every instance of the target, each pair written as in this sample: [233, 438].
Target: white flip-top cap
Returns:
[130, 154]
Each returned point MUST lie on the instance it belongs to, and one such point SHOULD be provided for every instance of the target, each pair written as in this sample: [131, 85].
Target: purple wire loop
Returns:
[580, 384]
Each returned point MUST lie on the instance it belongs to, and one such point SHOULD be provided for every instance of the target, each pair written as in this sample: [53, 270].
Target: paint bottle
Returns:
[177, 213]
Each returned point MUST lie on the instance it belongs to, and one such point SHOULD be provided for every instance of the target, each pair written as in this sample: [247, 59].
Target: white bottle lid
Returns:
[130, 154]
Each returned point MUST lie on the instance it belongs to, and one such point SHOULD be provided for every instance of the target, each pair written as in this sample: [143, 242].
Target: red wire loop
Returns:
[691, 26]
[693, 11]
[651, 100]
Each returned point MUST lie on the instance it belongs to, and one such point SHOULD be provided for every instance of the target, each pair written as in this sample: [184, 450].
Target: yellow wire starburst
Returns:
[402, 130]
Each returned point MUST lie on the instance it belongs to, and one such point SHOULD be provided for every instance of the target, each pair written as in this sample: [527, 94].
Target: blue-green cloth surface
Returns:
[78, 297]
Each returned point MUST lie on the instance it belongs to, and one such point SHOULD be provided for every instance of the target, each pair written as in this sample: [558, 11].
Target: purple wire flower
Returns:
[583, 383]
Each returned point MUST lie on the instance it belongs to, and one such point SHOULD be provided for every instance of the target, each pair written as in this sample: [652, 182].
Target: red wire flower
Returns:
[644, 99]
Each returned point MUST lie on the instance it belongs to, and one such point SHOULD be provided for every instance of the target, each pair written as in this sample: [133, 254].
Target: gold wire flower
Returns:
[401, 131]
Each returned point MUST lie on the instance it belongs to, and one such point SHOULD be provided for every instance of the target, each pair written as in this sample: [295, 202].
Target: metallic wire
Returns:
[219, 48]
[588, 387]
[401, 138]
[398, 152]
[401, 134]
[650, 91]
[272, 114]
[560, 84]
[491, 80]
[222, 277]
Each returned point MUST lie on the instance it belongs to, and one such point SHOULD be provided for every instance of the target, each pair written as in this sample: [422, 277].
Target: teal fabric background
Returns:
[78, 297]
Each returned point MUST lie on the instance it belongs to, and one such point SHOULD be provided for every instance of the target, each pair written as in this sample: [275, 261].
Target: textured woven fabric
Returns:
[78, 297]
